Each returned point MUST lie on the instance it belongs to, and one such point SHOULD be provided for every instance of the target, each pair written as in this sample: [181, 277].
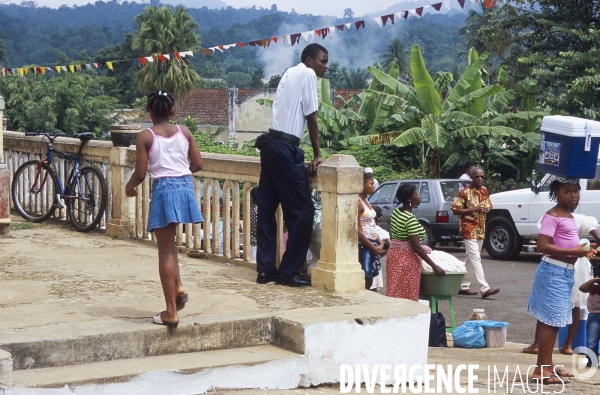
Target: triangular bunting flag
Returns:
[149, 59]
[26, 70]
[78, 66]
[461, 3]
[419, 11]
[167, 56]
[284, 39]
[88, 66]
[318, 31]
[20, 70]
[57, 69]
[340, 27]
[177, 55]
[405, 15]
[437, 6]
[72, 68]
[43, 70]
[386, 18]
[325, 32]
[360, 24]
[447, 4]
[295, 38]
[414, 12]
[189, 53]
[425, 7]
[110, 66]
[143, 61]
[274, 39]
[50, 69]
[241, 45]
[379, 21]
[348, 25]
[38, 70]
[305, 35]
[205, 51]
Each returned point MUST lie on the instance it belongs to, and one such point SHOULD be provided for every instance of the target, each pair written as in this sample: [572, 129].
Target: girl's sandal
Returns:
[181, 300]
[564, 373]
[169, 324]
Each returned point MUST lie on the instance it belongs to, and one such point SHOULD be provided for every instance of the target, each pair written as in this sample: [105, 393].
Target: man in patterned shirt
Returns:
[472, 204]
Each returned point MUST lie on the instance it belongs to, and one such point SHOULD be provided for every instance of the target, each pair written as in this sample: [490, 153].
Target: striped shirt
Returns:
[405, 224]
[593, 303]
[295, 98]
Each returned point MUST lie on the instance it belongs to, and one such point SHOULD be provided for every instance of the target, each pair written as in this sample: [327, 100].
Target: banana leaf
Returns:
[427, 96]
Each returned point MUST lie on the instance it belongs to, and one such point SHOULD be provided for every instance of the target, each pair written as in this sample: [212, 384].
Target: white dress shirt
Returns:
[296, 97]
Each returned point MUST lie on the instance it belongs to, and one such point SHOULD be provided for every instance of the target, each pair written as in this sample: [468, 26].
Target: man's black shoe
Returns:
[264, 278]
[296, 281]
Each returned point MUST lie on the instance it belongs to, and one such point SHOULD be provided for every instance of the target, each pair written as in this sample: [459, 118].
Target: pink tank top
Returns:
[168, 156]
[562, 230]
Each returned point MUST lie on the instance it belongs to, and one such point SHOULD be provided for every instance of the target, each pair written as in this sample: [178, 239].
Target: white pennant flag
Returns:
[227, 46]
[308, 36]
[425, 7]
[166, 55]
[284, 39]
[189, 53]
[379, 21]
[414, 12]
[348, 25]
[331, 30]
[447, 4]
[64, 68]
[400, 15]
[149, 59]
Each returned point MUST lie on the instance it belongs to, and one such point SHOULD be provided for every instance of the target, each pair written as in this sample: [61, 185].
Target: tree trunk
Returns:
[435, 168]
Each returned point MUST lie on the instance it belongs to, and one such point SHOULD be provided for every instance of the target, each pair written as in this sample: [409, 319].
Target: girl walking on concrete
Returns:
[164, 150]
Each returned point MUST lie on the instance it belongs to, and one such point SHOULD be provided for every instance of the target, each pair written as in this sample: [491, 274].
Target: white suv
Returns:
[513, 220]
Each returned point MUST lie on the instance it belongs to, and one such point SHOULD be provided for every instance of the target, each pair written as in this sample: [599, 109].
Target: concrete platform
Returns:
[72, 303]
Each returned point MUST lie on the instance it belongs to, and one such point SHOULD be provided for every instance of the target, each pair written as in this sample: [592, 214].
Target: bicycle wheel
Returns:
[86, 199]
[34, 193]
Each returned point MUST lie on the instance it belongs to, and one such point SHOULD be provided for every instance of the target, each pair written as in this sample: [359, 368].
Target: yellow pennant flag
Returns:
[26, 70]
[78, 67]
[43, 70]
[57, 69]
[110, 66]
[20, 71]
[72, 68]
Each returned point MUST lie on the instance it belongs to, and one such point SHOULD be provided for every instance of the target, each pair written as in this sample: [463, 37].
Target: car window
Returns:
[593, 184]
[450, 189]
[546, 186]
[424, 192]
[384, 194]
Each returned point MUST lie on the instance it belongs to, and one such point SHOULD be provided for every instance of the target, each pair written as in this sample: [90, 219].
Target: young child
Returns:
[550, 299]
[593, 304]
[369, 244]
[384, 236]
[164, 150]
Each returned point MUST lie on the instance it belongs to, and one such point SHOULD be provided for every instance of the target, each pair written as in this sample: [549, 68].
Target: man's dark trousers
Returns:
[283, 179]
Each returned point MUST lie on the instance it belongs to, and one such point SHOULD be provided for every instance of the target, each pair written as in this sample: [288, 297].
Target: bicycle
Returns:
[37, 190]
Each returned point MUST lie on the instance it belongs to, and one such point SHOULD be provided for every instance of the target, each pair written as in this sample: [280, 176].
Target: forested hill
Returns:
[38, 35]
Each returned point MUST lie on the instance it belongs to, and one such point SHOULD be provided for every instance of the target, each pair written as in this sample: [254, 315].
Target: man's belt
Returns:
[288, 138]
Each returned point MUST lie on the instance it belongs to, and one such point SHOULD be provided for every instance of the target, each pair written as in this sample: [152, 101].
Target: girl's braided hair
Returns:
[595, 269]
[554, 185]
[160, 103]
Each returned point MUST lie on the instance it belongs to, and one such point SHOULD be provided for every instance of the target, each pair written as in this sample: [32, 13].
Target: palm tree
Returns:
[356, 78]
[399, 52]
[161, 31]
[471, 31]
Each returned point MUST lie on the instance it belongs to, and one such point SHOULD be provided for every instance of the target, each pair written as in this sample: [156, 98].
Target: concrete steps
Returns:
[122, 371]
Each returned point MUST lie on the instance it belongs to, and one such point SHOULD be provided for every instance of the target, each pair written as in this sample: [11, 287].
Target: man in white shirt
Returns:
[283, 178]
[468, 167]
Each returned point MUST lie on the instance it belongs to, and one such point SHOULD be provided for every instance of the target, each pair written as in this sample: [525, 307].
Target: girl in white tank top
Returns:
[164, 150]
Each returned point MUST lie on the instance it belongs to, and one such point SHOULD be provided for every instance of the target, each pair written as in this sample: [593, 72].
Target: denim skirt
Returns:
[550, 299]
[370, 263]
[173, 201]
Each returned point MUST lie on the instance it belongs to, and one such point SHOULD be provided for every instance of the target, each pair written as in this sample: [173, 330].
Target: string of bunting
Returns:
[289, 39]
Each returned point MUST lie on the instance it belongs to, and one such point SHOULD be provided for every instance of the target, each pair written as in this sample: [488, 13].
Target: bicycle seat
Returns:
[85, 136]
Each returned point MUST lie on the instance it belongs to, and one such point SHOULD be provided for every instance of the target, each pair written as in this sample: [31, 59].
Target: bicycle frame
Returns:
[49, 159]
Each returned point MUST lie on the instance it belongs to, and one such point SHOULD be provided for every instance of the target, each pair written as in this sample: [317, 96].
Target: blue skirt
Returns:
[370, 263]
[550, 299]
[173, 201]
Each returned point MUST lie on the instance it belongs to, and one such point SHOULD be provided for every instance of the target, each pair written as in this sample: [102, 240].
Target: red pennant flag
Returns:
[177, 55]
[143, 61]
[38, 70]
[318, 31]
[206, 51]
[220, 46]
[437, 6]
[461, 3]
[406, 14]
[360, 24]
[241, 45]
[419, 11]
[340, 27]
[295, 38]
[274, 40]
[386, 18]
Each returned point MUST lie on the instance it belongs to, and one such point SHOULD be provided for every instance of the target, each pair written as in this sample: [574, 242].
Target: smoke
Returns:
[351, 48]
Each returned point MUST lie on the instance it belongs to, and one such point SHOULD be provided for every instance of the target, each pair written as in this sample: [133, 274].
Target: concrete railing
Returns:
[339, 180]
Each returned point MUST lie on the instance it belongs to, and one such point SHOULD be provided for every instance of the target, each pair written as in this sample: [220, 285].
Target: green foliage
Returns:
[556, 42]
[162, 31]
[396, 51]
[70, 103]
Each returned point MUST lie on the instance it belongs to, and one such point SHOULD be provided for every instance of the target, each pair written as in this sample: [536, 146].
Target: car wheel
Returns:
[428, 238]
[502, 240]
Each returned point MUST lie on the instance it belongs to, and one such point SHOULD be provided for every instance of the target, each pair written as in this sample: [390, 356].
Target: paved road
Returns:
[514, 279]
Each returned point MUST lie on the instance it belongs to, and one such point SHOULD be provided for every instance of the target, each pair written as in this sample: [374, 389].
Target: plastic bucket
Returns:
[448, 285]
[494, 332]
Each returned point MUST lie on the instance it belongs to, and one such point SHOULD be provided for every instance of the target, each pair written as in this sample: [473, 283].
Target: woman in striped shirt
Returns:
[403, 266]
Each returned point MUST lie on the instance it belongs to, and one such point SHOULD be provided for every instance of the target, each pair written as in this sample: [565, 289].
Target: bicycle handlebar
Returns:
[48, 134]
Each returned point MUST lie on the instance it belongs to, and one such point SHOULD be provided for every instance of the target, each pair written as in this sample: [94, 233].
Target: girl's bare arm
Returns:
[590, 286]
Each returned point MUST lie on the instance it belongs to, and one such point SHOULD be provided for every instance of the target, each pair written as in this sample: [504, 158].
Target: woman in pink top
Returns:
[550, 299]
[164, 150]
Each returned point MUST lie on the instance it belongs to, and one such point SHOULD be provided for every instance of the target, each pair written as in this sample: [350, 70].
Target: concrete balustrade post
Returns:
[122, 221]
[4, 181]
[340, 180]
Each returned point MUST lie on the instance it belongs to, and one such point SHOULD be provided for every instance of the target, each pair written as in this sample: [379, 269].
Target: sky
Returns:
[315, 7]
